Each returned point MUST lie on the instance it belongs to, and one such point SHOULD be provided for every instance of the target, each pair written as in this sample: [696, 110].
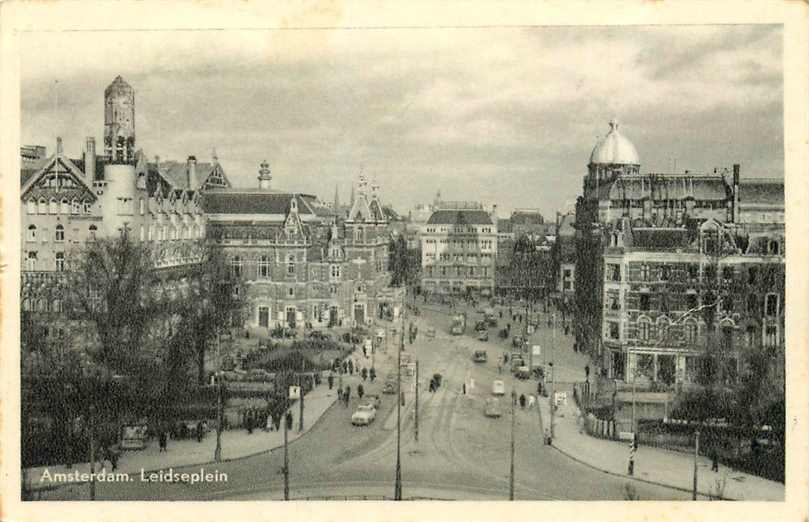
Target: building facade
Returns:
[672, 268]
[458, 251]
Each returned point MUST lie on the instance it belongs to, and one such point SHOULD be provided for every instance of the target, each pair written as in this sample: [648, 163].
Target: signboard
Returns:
[133, 437]
[294, 392]
[560, 398]
[626, 435]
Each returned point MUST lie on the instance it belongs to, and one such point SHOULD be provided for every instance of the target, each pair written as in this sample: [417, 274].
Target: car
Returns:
[372, 399]
[523, 372]
[389, 387]
[498, 388]
[492, 408]
[517, 341]
[483, 336]
[479, 356]
[364, 415]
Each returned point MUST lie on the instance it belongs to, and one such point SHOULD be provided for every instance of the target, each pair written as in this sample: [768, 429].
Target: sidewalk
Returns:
[654, 465]
[236, 444]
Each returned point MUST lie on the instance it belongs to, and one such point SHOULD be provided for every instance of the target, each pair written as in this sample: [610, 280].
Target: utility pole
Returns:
[511, 471]
[300, 385]
[696, 456]
[286, 444]
[553, 372]
[397, 491]
[92, 452]
[416, 424]
[217, 452]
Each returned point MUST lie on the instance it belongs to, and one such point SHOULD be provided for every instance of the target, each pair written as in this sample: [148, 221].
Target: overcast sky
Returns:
[506, 116]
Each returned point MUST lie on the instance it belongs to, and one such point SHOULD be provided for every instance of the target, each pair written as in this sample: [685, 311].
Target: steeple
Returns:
[352, 195]
[336, 197]
[119, 122]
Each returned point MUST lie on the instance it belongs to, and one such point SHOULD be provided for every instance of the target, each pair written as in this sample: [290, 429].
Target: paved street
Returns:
[460, 453]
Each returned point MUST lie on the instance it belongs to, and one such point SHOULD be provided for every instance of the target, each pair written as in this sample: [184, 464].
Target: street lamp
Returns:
[511, 471]
[397, 491]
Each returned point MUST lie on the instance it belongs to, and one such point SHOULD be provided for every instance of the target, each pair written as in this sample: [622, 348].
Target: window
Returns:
[333, 290]
[65, 207]
[471, 271]
[290, 265]
[773, 247]
[75, 207]
[691, 301]
[644, 327]
[335, 271]
[663, 325]
[60, 261]
[752, 274]
[771, 306]
[87, 207]
[485, 271]
[290, 292]
[644, 302]
[644, 272]
[710, 272]
[31, 261]
[236, 266]
[31, 206]
[142, 205]
[752, 304]
[727, 273]
[264, 267]
[693, 272]
[54, 207]
[93, 230]
[142, 233]
[60, 233]
[751, 337]
[614, 272]
[567, 273]
[710, 245]
[32, 232]
[727, 302]
[614, 330]
[691, 331]
[771, 336]
[665, 273]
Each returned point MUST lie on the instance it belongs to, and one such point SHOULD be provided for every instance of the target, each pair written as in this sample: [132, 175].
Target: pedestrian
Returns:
[199, 431]
[112, 455]
[351, 367]
[163, 439]
[586, 372]
[330, 379]
[372, 374]
[364, 373]
[508, 327]
[347, 395]
[360, 391]
[505, 358]
[340, 394]
[249, 422]
[464, 388]
[522, 401]
[499, 367]
[531, 401]
[714, 460]
[500, 312]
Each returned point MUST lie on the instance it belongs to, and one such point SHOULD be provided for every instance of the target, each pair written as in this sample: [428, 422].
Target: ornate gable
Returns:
[58, 179]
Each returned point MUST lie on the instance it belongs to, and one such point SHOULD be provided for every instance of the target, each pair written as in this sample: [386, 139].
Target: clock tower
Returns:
[119, 122]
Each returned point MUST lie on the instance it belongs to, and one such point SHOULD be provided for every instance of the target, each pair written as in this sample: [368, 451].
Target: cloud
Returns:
[506, 115]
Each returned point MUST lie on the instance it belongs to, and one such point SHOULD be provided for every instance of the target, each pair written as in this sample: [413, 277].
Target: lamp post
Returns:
[696, 456]
[286, 443]
[511, 471]
[416, 423]
[217, 453]
[552, 372]
[397, 491]
[92, 414]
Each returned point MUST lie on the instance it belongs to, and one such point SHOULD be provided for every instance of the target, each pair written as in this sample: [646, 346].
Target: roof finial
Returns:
[614, 124]
[213, 153]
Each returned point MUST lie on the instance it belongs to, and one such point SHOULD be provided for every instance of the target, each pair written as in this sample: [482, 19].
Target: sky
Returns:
[505, 116]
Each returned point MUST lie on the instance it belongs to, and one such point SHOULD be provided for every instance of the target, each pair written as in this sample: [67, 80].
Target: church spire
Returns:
[336, 196]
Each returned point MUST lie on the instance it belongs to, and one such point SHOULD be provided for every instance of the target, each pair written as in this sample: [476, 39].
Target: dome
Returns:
[614, 149]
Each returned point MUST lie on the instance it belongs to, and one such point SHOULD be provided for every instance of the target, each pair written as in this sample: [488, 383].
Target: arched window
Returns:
[264, 267]
[75, 207]
[43, 206]
[60, 233]
[87, 207]
[93, 230]
[31, 261]
[32, 206]
[291, 264]
[142, 233]
[56, 306]
[644, 328]
[151, 232]
[60, 261]
[54, 207]
[32, 232]
[774, 247]
[142, 205]
[65, 207]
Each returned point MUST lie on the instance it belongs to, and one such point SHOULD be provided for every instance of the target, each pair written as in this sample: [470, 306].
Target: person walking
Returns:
[360, 391]
[531, 401]
[163, 440]
[372, 374]
[364, 373]
[340, 394]
[522, 401]
[714, 460]
[199, 431]
[347, 395]
[330, 379]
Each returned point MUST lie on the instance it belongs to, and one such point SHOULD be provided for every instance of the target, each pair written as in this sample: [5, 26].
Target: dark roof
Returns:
[176, 172]
[661, 186]
[522, 217]
[242, 202]
[460, 217]
[762, 191]
[661, 238]
[504, 226]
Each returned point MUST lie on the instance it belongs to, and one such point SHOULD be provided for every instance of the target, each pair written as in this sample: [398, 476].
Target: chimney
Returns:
[192, 172]
[58, 146]
[264, 176]
[90, 158]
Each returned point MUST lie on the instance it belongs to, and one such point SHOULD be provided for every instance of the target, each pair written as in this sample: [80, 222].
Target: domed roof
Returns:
[614, 148]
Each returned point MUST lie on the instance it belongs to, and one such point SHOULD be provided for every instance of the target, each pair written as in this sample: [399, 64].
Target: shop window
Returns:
[772, 305]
